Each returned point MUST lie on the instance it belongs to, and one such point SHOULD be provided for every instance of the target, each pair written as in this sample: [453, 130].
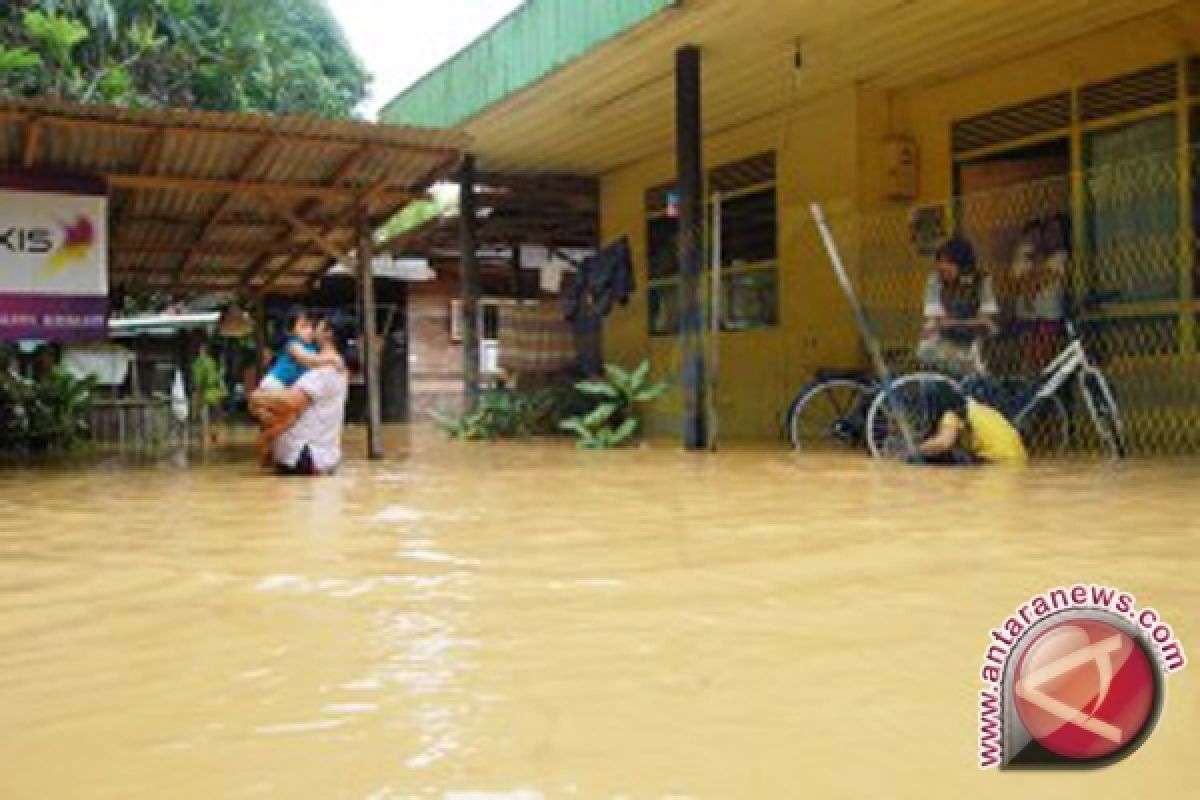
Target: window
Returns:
[662, 267]
[663, 238]
[749, 243]
[1132, 212]
[749, 248]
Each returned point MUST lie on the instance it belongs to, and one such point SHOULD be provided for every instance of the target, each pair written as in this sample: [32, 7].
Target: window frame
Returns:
[664, 285]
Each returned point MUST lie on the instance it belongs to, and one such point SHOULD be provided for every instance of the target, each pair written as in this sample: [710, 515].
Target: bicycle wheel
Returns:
[906, 403]
[1106, 417]
[1045, 426]
[829, 415]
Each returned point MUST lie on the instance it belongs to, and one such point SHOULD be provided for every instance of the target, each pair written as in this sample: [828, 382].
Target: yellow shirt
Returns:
[992, 437]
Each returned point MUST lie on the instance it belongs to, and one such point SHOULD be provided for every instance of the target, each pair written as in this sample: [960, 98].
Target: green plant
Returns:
[208, 381]
[614, 421]
[506, 413]
[494, 416]
[48, 415]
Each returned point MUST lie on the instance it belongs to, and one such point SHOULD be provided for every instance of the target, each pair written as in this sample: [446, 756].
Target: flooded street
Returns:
[526, 621]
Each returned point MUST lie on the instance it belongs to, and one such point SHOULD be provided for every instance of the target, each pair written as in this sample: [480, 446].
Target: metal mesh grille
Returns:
[1110, 254]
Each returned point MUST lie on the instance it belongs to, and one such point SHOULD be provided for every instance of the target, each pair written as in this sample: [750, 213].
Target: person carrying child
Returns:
[301, 353]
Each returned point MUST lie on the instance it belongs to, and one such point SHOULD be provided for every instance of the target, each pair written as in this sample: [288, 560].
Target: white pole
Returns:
[864, 327]
[714, 343]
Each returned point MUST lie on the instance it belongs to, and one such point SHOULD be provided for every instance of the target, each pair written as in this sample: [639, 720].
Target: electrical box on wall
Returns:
[900, 163]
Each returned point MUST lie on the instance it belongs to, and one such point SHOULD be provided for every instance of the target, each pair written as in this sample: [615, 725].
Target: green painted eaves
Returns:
[535, 40]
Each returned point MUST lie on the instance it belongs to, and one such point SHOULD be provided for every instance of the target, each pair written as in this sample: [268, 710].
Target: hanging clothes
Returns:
[604, 280]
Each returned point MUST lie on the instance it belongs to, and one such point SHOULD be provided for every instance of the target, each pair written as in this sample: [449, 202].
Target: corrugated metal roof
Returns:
[536, 39]
[182, 183]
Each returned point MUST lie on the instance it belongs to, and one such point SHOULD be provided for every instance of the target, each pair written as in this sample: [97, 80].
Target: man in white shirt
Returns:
[305, 421]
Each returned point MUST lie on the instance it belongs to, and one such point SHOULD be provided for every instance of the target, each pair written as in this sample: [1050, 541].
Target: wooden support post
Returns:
[369, 340]
[516, 272]
[689, 134]
[470, 282]
[260, 341]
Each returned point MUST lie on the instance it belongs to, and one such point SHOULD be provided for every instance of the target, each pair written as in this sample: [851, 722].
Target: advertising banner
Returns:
[53, 259]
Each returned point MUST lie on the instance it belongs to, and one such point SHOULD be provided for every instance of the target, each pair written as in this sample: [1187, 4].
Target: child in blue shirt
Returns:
[299, 355]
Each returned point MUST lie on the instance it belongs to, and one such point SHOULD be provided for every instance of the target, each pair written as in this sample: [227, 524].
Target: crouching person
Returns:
[968, 432]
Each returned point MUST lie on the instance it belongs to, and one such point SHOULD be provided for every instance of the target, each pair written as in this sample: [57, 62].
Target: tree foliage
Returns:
[286, 56]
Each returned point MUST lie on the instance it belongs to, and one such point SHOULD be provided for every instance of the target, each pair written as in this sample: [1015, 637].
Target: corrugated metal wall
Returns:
[534, 41]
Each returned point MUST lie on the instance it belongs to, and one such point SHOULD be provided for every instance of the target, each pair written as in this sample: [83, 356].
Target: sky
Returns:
[401, 40]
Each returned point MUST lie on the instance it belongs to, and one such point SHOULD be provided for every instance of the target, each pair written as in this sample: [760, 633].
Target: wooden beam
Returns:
[259, 189]
[350, 164]
[368, 345]
[550, 183]
[240, 219]
[260, 338]
[263, 150]
[153, 249]
[343, 170]
[146, 165]
[331, 142]
[314, 235]
[32, 143]
[260, 264]
[470, 281]
[363, 200]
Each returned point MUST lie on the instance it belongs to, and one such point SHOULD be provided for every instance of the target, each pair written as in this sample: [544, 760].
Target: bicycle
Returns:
[830, 412]
[1037, 408]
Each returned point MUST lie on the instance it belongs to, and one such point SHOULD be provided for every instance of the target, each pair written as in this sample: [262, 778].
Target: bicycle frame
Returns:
[1065, 366]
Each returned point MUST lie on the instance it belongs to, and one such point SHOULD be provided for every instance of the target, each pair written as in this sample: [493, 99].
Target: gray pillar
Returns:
[368, 348]
[689, 146]
[470, 281]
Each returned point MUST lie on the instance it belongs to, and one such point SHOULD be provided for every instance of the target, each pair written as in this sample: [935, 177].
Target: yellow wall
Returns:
[831, 151]
[760, 370]
[927, 112]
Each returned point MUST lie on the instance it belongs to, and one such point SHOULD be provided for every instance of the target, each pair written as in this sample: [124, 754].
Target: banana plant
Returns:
[614, 420]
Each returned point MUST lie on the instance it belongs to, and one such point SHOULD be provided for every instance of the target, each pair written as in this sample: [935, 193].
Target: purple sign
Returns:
[53, 318]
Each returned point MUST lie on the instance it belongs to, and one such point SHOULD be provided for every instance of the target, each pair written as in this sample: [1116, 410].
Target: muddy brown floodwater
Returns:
[525, 621]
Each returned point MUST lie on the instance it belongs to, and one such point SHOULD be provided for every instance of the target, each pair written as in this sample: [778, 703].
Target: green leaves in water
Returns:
[602, 412]
[614, 421]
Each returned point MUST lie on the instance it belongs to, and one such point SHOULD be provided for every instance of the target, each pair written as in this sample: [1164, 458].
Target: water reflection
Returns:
[518, 621]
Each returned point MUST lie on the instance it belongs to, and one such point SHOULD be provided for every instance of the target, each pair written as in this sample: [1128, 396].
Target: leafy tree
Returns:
[285, 56]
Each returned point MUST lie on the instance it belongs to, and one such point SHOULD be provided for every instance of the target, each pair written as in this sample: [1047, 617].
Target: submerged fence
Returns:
[1110, 252]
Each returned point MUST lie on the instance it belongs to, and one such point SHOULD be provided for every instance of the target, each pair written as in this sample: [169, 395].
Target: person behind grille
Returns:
[960, 312]
[1039, 274]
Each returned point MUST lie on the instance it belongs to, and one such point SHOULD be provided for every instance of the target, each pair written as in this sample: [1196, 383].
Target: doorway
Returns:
[1001, 194]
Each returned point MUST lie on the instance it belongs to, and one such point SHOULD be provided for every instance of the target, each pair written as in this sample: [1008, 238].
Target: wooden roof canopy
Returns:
[250, 203]
[551, 210]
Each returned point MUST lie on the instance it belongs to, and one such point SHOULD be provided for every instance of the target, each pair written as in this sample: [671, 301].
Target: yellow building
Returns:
[882, 111]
